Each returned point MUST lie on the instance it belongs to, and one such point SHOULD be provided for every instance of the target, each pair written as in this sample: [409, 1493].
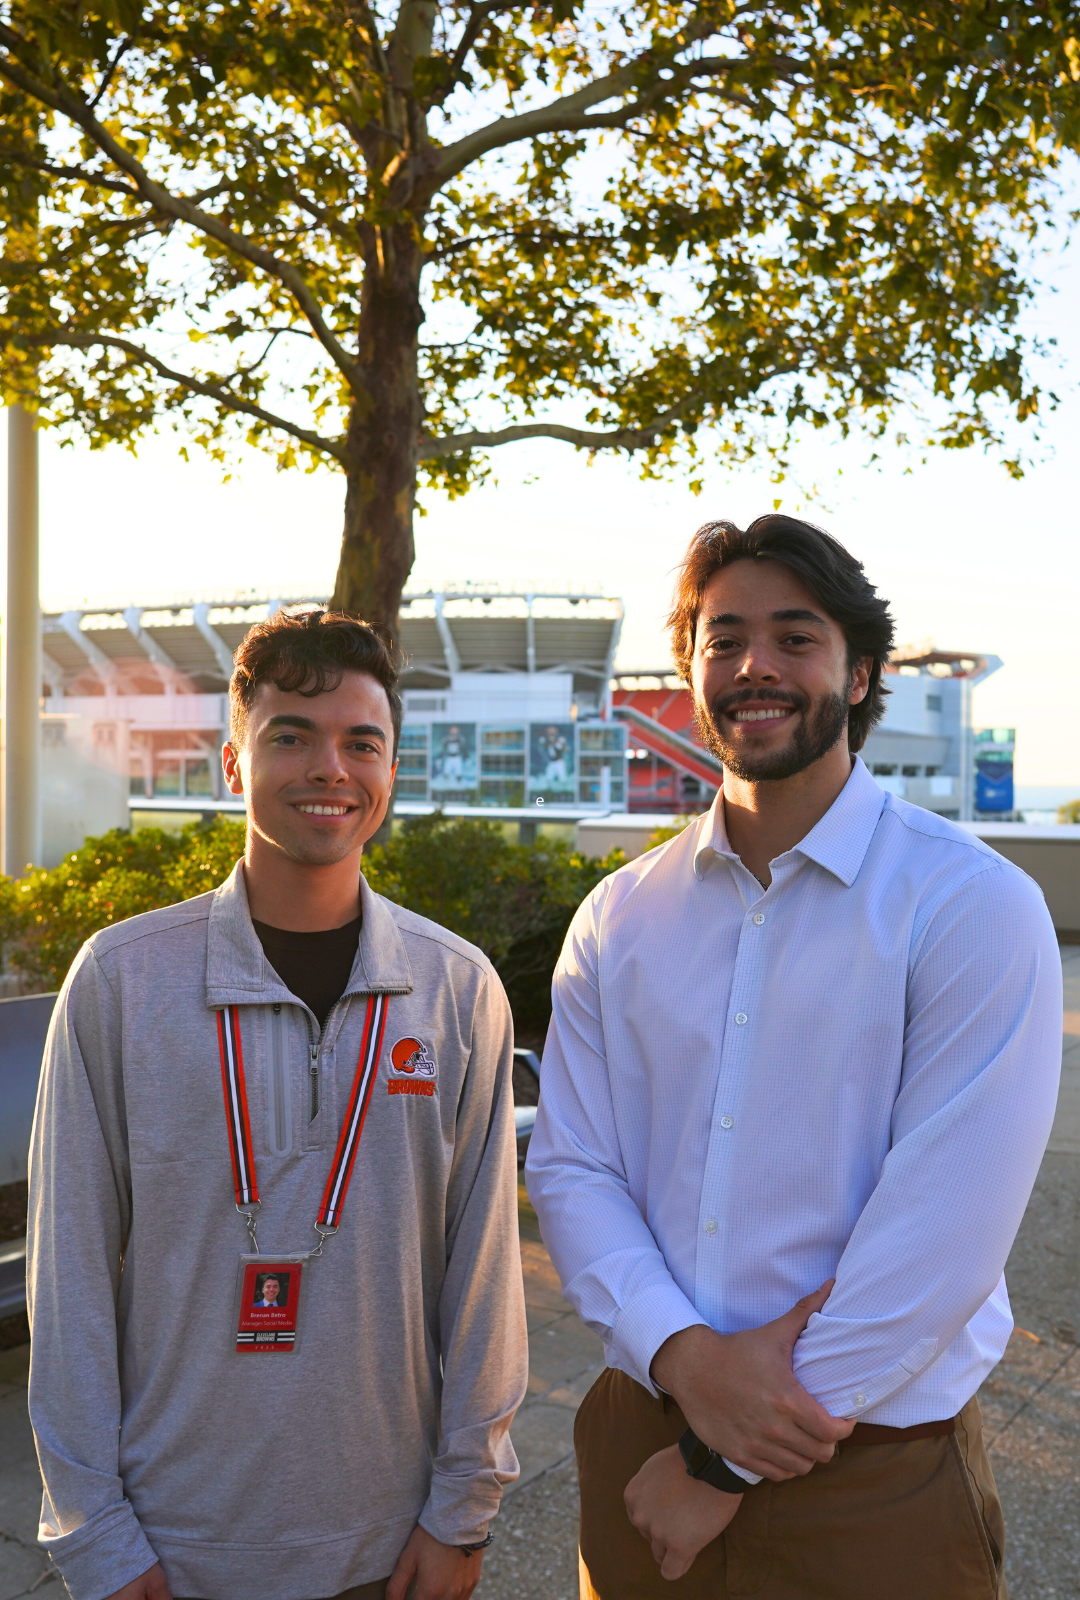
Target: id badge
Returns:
[268, 1304]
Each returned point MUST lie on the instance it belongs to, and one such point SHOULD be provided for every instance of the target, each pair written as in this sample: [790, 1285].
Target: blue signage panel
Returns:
[995, 749]
[993, 786]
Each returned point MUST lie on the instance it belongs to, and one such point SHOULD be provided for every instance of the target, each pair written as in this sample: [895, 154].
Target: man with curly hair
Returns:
[235, 1053]
[801, 1072]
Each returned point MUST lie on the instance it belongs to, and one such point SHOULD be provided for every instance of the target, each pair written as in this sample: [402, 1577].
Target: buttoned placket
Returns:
[736, 1056]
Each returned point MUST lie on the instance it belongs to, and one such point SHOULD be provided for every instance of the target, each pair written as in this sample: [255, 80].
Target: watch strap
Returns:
[708, 1467]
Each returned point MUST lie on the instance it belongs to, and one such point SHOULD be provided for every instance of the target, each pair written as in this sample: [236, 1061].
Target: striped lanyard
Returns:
[236, 1108]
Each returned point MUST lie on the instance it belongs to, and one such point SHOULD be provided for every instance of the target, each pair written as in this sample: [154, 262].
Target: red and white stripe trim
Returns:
[366, 1068]
[236, 1107]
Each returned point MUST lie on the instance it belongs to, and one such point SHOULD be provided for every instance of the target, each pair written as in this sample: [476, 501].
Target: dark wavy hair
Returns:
[308, 653]
[831, 574]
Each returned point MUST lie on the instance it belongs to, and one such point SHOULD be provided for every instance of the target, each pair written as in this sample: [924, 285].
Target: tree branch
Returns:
[547, 234]
[584, 438]
[212, 391]
[478, 15]
[569, 113]
[80, 174]
[323, 217]
[175, 206]
[122, 50]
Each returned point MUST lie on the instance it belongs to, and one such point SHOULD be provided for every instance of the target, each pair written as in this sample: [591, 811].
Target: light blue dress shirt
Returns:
[852, 1073]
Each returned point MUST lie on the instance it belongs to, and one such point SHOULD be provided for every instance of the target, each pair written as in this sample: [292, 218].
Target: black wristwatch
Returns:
[471, 1549]
[707, 1467]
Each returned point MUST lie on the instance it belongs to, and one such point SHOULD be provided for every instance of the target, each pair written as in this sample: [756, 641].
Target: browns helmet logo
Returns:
[410, 1056]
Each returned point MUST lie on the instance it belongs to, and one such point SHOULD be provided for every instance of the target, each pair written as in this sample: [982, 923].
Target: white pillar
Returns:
[20, 656]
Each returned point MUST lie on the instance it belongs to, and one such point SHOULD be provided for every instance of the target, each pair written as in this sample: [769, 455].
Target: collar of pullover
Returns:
[238, 973]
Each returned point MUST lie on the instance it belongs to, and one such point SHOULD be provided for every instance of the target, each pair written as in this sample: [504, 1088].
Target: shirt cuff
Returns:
[647, 1321]
[106, 1553]
[743, 1472]
[459, 1509]
[837, 1377]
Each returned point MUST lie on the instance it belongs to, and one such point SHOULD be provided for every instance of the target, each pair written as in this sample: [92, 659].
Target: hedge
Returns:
[515, 901]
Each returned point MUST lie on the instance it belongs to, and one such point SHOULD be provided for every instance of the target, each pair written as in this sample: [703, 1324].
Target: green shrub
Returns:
[1069, 812]
[662, 834]
[46, 916]
[514, 901]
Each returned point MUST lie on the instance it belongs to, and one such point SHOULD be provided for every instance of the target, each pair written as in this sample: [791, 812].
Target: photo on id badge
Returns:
[269, 1303]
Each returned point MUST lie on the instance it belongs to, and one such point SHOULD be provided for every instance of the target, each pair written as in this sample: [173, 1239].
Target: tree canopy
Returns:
[392, 235]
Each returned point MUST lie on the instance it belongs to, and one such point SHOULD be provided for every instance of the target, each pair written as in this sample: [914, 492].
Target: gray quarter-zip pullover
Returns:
[252, 1478]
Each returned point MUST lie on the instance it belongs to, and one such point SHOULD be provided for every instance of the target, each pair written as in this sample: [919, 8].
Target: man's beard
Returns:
[814, 735]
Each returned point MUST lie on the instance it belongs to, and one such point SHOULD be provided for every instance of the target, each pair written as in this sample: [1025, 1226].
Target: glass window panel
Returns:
[496, 765]
[502, 792]
[414, 738]
[411, 788]
[503, 739]
[602, 738]
[197, 778]
[167, 776]
[413, 761]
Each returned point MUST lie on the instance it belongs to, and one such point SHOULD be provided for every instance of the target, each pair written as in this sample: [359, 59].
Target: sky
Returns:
[969, 559]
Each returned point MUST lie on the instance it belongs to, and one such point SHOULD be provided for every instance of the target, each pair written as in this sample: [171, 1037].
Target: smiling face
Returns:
[270, 1290]
[771, 678]
[316, 771]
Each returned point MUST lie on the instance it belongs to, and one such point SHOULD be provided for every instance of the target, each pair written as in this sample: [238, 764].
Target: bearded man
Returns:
[801, 1072]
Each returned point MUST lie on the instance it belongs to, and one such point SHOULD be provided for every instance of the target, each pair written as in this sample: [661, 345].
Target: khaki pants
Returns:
[366, 1591]
[914, 1520]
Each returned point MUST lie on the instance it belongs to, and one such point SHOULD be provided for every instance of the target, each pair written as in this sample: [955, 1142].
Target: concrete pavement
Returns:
[24, 1569]
[1031, 1404]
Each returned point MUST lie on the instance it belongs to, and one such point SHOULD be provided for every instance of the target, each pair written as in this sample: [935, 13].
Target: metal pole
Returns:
[20, 649]
[967, 754]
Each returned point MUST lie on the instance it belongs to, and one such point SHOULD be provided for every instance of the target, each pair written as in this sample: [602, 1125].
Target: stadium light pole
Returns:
[20, 647]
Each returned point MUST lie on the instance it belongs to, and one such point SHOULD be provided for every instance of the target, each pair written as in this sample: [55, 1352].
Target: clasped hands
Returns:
[739, 1394]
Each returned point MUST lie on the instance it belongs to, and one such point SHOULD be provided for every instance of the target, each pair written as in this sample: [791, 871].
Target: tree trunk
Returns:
[383, 437]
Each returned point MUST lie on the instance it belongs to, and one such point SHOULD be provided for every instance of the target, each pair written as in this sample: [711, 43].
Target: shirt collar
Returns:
[237, 972]
[838, 842]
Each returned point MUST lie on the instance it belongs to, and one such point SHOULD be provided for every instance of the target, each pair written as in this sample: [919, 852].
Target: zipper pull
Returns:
[313, 1070]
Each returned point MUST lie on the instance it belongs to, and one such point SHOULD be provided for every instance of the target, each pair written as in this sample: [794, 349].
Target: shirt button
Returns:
[859, 1399]
[710, 1226]
[759, 917]
[740, 1018]
[727, 1122]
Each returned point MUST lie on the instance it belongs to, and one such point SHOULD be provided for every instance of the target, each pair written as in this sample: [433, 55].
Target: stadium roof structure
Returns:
[187, 644]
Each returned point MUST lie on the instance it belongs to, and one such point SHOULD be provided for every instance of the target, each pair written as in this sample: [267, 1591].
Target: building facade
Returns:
[925, 748]
[507, 706]
[512, 708]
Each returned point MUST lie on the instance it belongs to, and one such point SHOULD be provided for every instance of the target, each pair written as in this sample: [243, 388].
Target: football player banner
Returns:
[551, 760]
[453, 757]
[269, 1295]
